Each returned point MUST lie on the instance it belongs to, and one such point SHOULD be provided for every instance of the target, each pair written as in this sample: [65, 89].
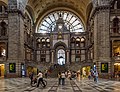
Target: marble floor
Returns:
[83, 85]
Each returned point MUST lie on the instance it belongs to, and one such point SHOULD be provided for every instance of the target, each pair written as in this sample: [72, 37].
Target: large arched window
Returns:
[3, 30]
[43, 42]
[72, 22]
[38, 42]
[115, 4]
[116, 25]
[3, 8]
[47, 42]
[77, 42]
[2, 50]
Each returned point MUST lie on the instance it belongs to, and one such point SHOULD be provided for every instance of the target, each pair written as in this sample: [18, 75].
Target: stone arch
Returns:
[115, 24]
[89, 9]
[42, 39]
[47, 38]
[60, 44]
[30, 12]
[72, 39]
[38, 39]
[3, 7]
[46, 12]
[77, 38]
[113, 6]
[83, 38]
[3, 3]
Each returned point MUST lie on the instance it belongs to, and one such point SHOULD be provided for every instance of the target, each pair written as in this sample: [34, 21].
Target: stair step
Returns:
[56, 70]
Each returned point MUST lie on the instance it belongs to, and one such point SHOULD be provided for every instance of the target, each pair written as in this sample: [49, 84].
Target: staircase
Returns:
[55, 69]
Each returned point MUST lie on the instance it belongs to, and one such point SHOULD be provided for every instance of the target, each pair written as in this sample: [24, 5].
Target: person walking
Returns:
[59, 78]
[89, 75]
[31, 77]
[40, 79]
[46, 73]
[69, 75]
[95, 76]
[63, 78]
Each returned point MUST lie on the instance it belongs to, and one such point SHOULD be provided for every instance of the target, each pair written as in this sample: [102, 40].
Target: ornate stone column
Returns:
[68, 56]
[102, 36]
[15, 37]
[52, 57]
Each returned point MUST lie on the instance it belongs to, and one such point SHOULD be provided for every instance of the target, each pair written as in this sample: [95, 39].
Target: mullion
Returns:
[47, 22]
[62, 14]
[54, 16]
[43, 29]
[78, 28]
[70, 18]
[76, 24]
[50, 19]
[67, 16]
[74, 21]
[45, 25]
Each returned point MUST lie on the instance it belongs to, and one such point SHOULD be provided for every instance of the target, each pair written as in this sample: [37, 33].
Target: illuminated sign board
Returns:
[104, 67]
[12, 67]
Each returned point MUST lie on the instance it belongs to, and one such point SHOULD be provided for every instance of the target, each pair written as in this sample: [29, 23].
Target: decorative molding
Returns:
[16, 11]
[97, 3]
[99, 9]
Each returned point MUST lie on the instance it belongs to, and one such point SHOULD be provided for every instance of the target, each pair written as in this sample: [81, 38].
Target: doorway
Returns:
[61, 57]
[116, 70]
[2, 70]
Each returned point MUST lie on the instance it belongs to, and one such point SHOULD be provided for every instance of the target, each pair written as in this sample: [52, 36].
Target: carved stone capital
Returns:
[97, 3]
[100, 9]
[17, 5]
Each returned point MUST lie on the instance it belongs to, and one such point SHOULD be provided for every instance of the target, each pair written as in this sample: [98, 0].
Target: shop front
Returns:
[32, 69]
[116, 70]
[2, 70]
[86, 71]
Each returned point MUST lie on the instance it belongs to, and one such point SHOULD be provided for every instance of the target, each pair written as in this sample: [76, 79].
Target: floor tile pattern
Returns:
[83, 85]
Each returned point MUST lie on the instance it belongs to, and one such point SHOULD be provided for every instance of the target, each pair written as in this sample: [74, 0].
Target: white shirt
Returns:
[63, 75]
[40, 75]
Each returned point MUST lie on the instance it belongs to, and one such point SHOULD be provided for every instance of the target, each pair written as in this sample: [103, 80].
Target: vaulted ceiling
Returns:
[5, 2]
[41, 7]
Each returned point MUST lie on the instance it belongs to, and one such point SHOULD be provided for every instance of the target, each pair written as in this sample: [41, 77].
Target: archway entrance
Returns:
[61, 57]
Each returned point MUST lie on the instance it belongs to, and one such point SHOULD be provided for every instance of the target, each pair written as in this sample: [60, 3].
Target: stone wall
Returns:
[15, 38]
[101, 35]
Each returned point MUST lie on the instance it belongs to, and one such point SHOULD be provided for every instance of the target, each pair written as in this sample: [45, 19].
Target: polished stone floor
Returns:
[83, 85]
